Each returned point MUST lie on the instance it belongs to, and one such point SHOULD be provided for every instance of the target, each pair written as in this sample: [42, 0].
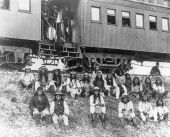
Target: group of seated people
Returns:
[96, 86]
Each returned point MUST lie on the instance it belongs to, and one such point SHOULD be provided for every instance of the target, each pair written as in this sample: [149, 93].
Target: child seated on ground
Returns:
[59, 110]
[159, 88]
[136, 87]
[145, 109]
[126, 111]
[97, 107]
[112, 86]
[39, 106]
[27, 80]
[160, 112]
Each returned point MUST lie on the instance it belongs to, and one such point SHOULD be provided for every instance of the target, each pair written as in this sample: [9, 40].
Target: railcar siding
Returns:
[20, 25]
[102, 35]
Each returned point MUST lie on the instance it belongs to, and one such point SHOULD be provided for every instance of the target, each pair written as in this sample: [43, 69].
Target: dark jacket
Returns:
[40, 105]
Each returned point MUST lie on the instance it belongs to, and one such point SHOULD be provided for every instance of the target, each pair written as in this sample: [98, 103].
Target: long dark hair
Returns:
[136, 84]
[149, 85]
[55, 99]
[158, 101]
[86, 79]
[45, 74]
[95, 97]
[55, 77]
[96, 78]
[71, 78]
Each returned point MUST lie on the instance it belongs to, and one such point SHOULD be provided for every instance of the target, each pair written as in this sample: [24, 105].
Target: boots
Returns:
[37, 118]
[93, 121]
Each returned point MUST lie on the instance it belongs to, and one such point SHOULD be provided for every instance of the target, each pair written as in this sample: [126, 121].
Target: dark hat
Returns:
[58, 92]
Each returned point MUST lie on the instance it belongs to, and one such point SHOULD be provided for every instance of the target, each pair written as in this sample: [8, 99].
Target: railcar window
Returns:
[139, 21]
[111, 16]
[95, 14]
[4, 4]
[126, 19]
[153, 22]
[165, 24]
[24, 5]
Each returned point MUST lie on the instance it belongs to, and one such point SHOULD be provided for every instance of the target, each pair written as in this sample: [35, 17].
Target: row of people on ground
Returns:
[96, 87]
[117, 84]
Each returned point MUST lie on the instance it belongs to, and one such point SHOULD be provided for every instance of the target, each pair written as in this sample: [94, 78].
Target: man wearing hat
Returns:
[27, 80]
[97, 106]
[126, 110]
[39, 106]
[59, 110]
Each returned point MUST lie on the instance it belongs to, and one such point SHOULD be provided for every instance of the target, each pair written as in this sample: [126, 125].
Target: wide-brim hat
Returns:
[58, 93]
[73, 73]
[96, 89]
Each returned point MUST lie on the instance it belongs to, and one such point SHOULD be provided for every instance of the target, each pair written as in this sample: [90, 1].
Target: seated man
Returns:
[45, 81]
[27, 80]
[97, 107]
[59, 110]
[39, 106]
[126, 111]
[145, 108]
[155, 70]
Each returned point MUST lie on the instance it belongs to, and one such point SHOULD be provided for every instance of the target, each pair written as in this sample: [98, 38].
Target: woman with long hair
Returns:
[86, 85]
[57, 78]
[147, 88]
[100, 82]
[112, 86]
[136, 87]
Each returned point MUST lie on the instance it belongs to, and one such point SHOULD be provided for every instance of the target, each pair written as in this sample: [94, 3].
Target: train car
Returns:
[109, 33]
[20, 29]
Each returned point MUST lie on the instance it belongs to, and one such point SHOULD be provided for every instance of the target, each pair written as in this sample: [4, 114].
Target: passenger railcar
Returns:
[106, 32]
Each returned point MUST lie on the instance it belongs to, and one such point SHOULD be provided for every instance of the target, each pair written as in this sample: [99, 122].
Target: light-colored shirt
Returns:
[128, 108]
[145, 107]
[27, 78]
[92, 104]
[159, 89]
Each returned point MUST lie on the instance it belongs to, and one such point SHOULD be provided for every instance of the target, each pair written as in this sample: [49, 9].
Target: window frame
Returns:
[9, 6]
[111, 15]
[156, 23]
[138, 27]
[129, 19]
[168, 24]
[25, 11]
[100, 18]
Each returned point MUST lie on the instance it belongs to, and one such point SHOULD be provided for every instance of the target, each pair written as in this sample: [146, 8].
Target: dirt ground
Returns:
[15, 120]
